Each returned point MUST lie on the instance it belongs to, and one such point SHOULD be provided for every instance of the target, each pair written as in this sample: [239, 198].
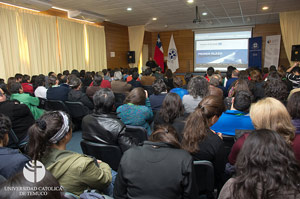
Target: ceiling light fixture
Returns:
[8, 4]
[204, 13]
[154, 18]
[129, 9]
[190, 1]
[57, 8]
[265, 8]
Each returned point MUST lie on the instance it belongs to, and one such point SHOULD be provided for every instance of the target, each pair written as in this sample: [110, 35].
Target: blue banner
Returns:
[255, 46]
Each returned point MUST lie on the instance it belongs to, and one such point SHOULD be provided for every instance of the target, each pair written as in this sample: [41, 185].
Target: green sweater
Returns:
[31, 102]
[77, 172]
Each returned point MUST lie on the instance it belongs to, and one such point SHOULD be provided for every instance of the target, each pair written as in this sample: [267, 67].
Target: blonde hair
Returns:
[270, 113]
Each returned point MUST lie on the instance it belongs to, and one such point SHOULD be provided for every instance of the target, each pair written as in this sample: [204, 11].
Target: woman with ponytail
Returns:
[201, 141]
[48, 138]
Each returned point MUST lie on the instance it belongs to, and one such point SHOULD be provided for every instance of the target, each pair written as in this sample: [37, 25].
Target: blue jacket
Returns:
[231, 120]
[11, 162]
[180, 91]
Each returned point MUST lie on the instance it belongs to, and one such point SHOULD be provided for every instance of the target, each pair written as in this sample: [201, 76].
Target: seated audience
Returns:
[64, 81]
[134, 83]
[159, 94]
[171, 112]
[76, 172]
[209, 72]
[187, 78]
[17, 93]
[147, 79]
[92, 89]
[56, 92]
[293, 75]
[76, 95]
[157, 169]
[26, 85]
[11, 160]
[169, 79]
[103, 126]
[237, 117]
[269, 113]
[201, 141]
[18, 77]
[266, 168]
[119, 86]
[41, 90]
[234, 77]
[228, 74]
[215, 86]
[19, 115]
[177, 82]
[157, 74]
[47, 188]
[275, 87]
[198, 89]
[258, 85]
[136, 110]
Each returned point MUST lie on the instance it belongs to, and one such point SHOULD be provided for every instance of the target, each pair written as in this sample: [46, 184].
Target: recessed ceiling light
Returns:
[154, 18]
[204, 13]
[129, 9]
[190, 1]
[265, 8]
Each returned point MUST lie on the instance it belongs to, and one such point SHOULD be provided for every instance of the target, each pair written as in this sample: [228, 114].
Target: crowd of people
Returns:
[186, 118]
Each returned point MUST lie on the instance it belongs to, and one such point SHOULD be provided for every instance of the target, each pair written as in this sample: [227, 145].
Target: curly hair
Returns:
[172, 108]
[267, 162]
[198, 86]
[275, 87]
[293, 105]
[159, 86]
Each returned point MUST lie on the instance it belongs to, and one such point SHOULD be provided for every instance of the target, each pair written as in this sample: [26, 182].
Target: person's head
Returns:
[5, 127]
[40, 80]
[265, 71]
[2, 95]
[188, 77]
[235, 73]
[97, 80]
[104, 71]
[18, 77]
[210, 71]
[47, 188]
[104, 100]
[270, 113]
[112, 73]
[25, 79]
[166, 134]
[273, 68]
[137, 97]
[293, 105]
[177, 82]
[296, 70]
[158, 69]
[51, 74]
[256, 76]
[135, 75]
[198, 123]
[198, 86]
[171, 108]
[159, 86]
[148, 72]
[150, 59]
[118, 75]
[169, 74]
[75, 83]
[66, 72]
[82, 73]
[275, 87]
[229, 71]
[4, 89]
[16, 87]
[51, 130]
[10, 80]
[75, 72]
[52, 80]
[215, 80]
[266, 160]
[242, 101]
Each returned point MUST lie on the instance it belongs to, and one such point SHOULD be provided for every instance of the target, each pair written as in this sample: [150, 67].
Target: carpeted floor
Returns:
[74, 144]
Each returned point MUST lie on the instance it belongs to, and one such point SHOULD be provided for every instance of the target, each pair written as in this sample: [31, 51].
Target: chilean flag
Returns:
[159, 54]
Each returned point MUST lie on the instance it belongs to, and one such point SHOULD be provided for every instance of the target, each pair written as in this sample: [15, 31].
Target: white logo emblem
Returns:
[34, 171]
[172, 54]
[255, 45]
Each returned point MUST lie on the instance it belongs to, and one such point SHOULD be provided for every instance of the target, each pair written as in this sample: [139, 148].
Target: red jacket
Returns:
[27, 88]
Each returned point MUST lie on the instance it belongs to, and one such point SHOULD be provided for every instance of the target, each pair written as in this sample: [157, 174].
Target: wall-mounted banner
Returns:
[255, 46]
[272, 50]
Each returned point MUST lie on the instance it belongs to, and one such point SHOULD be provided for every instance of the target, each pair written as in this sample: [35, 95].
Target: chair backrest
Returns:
[42, 104]
[149, 89]
[228, 143]
[109, 154]
[137, 134]
[119, 99]
[205, 177]
[13, 140]
[56, 105]
[77, 109]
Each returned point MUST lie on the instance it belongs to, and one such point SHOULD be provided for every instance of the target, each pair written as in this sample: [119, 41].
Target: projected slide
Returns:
[221, 53]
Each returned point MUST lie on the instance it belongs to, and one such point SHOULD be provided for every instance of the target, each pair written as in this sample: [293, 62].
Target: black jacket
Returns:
[106, 129]
[79, 96]
[155, 170]
[58, 93]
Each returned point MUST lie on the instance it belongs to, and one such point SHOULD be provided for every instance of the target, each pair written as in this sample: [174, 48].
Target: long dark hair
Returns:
[293, 105]
[198, 122]
[275, 87]
[171, 108]
[167, 134]
[265, 160]
[41, 132]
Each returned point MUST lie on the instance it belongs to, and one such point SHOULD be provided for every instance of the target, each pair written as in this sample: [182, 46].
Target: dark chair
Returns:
[77, 111]
[119, 99]
[204, 171]
[2, 179]
[137, 134]
[109, 154]
[42, 104]
[15, 143]
[149, 89]
[228, 143]
[56, 105]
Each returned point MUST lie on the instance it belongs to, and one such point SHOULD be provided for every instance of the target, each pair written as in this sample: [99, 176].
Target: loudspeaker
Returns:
[131, 57]
[295, 53]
